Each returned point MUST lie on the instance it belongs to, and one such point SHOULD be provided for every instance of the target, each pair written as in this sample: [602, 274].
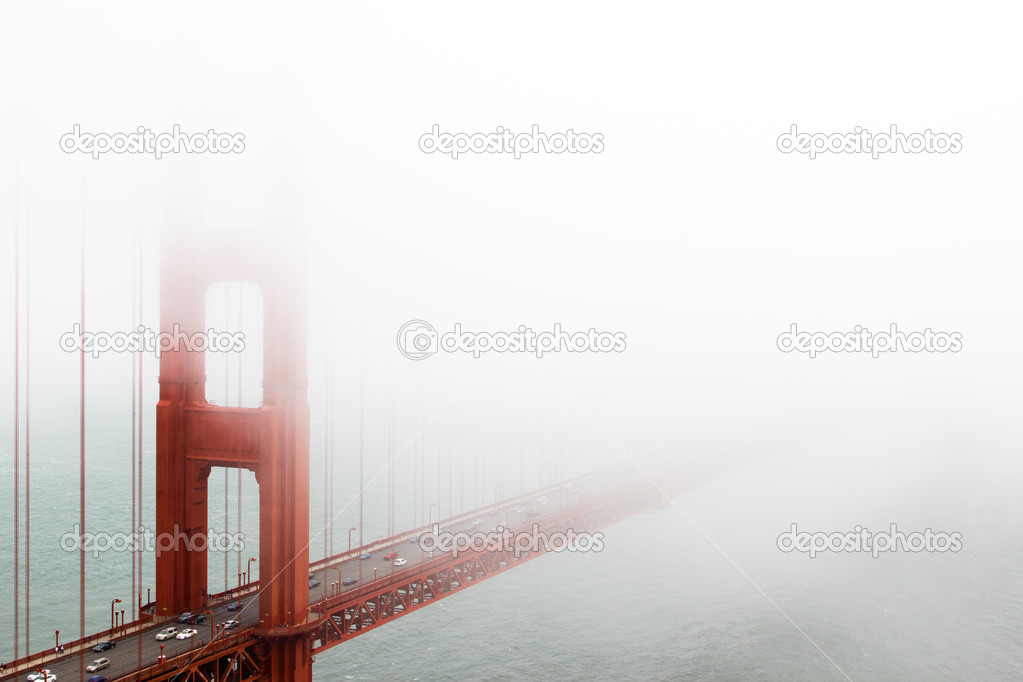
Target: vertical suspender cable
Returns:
[394, 446]
[390, 458]
[138, 259]
[238, 522]
[461, 462]
[28, 431]
[448, 447]
[439, 468]
[475, 462]
[17, 415]
[362, 412]
[326, 432]
[390, 455]
[561, 451]
[539, 448]
[134, 397]
[330, 459]
[500, 453]
[482, 459]
[451, 455]
[448, 418]
[415, 458]
[141, 411]
[227, 471]
[424, 453]
[81, 459]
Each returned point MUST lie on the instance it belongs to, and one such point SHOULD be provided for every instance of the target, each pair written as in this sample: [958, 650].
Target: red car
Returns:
[390, 555]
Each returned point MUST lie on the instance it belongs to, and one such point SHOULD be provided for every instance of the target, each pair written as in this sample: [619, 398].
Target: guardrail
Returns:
[28, 663]
[147, 615]
[320, 564]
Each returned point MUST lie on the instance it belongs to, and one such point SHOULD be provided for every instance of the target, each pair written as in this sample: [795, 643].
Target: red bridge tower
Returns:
[193, 435]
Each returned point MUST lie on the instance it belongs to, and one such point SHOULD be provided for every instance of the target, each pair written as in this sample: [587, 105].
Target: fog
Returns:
[689, 234]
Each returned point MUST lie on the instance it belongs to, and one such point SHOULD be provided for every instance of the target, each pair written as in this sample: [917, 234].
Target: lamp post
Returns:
[116, 601]
[213, 623]
[248, 569]
[430, 522]
[350, 537]
[57, 635]
[338, 569]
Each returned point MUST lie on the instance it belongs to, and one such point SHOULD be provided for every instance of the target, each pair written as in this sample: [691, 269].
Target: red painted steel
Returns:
[272, 440]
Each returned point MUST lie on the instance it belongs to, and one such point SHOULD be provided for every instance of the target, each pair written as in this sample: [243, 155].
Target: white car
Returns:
[166, 633]
[400, 562]
[97, 665]
[228, 624]
[519, 510]
[542, 500]
[42, 676]
[187, 633]
[477, 522]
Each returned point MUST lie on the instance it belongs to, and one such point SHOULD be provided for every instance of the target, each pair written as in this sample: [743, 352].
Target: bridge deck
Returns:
[339, 612]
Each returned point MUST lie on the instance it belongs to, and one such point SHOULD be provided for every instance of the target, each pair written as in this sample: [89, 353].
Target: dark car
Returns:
[349, 581]
[234, 606]
[192, 618]
[183, 618]
[103, 646]
[313, 584]
[98, 678]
